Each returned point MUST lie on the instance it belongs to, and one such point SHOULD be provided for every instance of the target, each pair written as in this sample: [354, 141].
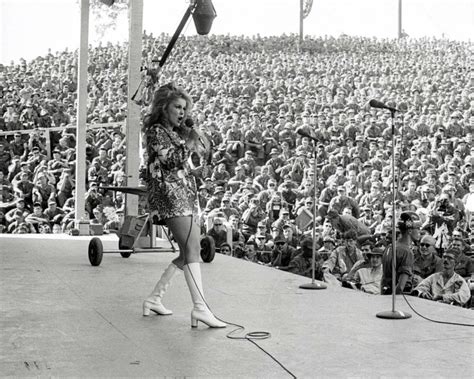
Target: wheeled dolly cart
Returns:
[138, 235]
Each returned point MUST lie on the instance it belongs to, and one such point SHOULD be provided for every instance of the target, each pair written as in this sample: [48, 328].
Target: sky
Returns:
[29, 27]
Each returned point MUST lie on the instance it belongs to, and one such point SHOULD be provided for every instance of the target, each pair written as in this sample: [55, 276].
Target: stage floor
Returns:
[62, 317]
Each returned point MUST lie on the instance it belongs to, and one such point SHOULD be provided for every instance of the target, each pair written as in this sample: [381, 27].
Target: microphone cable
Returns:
[402, 131]
[251, 336]
[435, 321]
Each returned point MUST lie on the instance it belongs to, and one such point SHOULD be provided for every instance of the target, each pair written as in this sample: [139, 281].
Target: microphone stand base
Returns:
[393, 315]
[314, 286]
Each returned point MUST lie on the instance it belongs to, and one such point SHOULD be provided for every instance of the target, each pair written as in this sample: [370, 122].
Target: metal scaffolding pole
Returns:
[82, 118]
[135, 13]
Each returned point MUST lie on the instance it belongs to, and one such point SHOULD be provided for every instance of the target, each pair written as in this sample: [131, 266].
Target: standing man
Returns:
[409, 227]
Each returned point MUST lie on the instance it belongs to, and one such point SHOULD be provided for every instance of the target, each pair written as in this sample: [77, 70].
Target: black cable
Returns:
[404, 297]
[436, 321]
[251, 336]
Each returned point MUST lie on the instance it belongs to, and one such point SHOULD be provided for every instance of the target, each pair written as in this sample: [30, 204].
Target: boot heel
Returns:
[200, 312]
[153, 302]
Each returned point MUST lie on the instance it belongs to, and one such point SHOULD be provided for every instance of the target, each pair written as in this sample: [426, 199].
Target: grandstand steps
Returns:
[63, 317]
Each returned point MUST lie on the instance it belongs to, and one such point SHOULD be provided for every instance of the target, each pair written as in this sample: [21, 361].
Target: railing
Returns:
[46, 132]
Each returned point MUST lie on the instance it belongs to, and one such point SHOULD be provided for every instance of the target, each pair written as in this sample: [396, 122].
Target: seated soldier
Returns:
[37, 217]
[52, 212]
[225, 249]
[366, 246]
[248, 252]
[218, 232]
[426, 260]
[282, 254]
[23, 228]
[115, 222]
[290, 236]
[262, 230]
[446, 286]
[369, 279]
[301, 263]
[237, 236]
[342, 259]
[464, 264]
[261, 245]
[263, 253]
[329, 244]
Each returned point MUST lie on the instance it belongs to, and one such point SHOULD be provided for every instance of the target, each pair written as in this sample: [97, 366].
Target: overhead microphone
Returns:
[301, 132]
[378, 104]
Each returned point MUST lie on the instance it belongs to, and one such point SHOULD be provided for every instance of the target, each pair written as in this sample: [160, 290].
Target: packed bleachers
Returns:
[251, 95]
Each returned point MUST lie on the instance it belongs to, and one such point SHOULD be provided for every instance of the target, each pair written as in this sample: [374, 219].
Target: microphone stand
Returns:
[393, 314]
[314, 285]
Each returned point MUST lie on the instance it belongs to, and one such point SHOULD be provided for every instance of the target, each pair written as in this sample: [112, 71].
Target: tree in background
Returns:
[105, 14]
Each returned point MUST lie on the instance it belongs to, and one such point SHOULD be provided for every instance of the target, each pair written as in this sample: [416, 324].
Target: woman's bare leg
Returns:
[187, 234]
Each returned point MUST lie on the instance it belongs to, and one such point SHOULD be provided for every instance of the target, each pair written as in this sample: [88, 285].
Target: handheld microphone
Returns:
[378, 104]
[301, 132]
[189, 122]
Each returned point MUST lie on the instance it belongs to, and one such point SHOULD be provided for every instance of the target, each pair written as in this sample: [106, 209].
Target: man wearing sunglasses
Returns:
[282, 254]
[426, 260]
[218, 232]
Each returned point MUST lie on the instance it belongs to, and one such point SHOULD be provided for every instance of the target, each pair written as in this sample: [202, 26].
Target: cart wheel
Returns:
[124, 254]
[208, 249]
[96, 251]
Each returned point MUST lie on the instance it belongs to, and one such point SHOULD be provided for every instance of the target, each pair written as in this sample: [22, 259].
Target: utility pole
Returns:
[81, 120]
[133, 126]
[305, 9]
[399, 19]
[300, 43]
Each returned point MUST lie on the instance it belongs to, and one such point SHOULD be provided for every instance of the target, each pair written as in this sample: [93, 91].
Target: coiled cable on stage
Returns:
[436, 321]
[251, 336]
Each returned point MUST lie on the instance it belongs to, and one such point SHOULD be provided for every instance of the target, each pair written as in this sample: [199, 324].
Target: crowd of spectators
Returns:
[251, 96]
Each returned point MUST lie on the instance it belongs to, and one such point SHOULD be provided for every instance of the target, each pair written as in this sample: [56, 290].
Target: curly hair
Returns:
[162, 97]
[407, 221]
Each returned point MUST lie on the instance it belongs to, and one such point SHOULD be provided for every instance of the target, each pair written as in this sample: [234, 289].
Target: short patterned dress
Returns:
[171, 189]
